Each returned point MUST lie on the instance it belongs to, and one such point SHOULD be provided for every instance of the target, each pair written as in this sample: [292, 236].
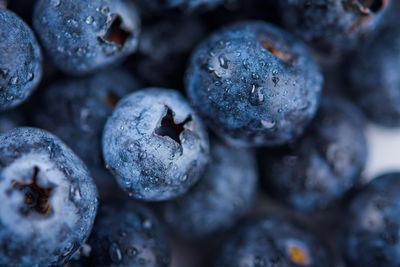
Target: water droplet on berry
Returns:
[142, 155]
[56, 2]
[72, 22]
[275, 80]
[14, 80]
[256, 96]
[131, 252]
[255, 76]
[305, 106]
[115, 253]
[147, 224]
[75, 194]
[105, 10]
[268, 124]
[30, 76]
[89, 20]
[223, 62]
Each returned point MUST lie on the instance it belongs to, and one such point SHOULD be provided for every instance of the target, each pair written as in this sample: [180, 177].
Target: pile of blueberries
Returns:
[254, 158]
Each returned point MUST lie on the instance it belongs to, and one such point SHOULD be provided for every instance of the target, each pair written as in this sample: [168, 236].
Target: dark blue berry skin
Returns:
[371, 227]
[83, 36]
[374, 77]
[20, 60]
[76, 110]
[126, 234]
[224, 194]
[272, 241]
[49, 201]
[254, 84]
[155, 144]
[320, 168]
[333, 26]
[163, 50]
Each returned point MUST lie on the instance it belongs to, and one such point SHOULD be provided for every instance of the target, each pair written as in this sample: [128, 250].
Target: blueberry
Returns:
[371, 227]
[83, 36]
[155, 144]
[76, 111]
[48, 199]
[273, 241]
[126, 234]
[20, 60]
[322, 166]
[374, 77]
[223, 195]
[333, 26]
[254, 84]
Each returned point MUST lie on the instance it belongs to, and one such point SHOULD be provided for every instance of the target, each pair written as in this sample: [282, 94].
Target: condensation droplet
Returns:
[14, 80]
[184, 178]
[89, 20]
[115, 253]
[55, 2]
[30, 76]
[275, 80]
[75, 193]
[105, 9]
[268, 124]
[72, 22]
[256, 96]
[255, 76]
[131, 252]
[305, 106]
[142, 155]
[147, 224]
[223, 62]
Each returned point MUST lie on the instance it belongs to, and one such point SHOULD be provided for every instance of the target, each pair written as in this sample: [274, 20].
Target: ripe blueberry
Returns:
[49, 201]
[20, 60]
[82, 36]
[254, 84]
[155, 144]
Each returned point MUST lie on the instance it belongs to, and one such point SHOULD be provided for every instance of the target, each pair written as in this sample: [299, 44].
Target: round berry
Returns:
[20, 60]
[155, 144]
[83, 36]
[254, 84]
[49, 201]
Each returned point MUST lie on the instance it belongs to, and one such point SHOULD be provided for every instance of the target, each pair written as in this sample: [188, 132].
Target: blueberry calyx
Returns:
[116, 34]
[169, 128]
[111, 99]
[282, 52]
[282, 56]
[374, 5]
[297, 252]
[365, 7]
[3, 4]
[35, 197]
